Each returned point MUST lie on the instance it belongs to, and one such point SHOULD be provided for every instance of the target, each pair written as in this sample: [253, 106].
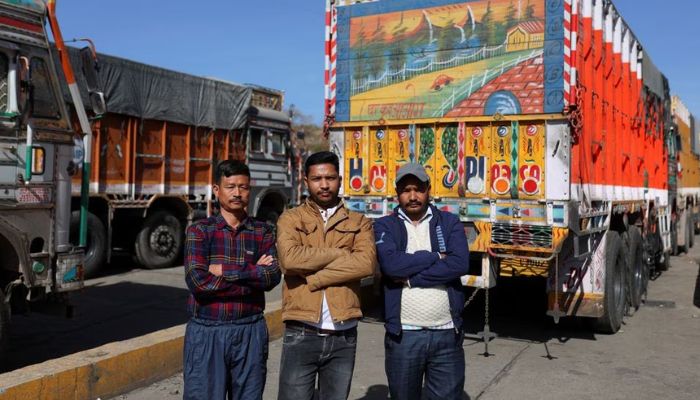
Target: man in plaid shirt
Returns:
[230, 262]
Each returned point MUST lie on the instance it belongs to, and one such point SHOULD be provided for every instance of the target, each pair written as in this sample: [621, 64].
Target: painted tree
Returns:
[485, 28]
[448, 37]
[377, 57]
[359, 53]
[529, 11]
[399, 47]
[511, 17]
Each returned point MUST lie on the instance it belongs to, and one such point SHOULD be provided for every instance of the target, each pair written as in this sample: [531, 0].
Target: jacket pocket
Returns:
[307, 232]
[345, 236]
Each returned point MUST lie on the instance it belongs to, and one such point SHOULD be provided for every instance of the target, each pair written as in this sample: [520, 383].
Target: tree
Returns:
[511, 19]
[359, 50]
[397, 54]
[448, 37]
[529, 11]
[485, 28]
[377, 59]
[312, 139]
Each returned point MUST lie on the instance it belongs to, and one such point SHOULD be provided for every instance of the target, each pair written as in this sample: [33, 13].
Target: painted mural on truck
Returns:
[453, 59]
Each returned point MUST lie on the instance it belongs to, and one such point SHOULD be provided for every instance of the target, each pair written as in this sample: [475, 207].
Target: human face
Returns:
[413, 196]
[233, 193]
[323, 182]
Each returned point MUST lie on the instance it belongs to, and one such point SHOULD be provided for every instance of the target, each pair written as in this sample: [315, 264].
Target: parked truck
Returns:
[155, 151]
[37, 162]
[545, 126]
[687, 216]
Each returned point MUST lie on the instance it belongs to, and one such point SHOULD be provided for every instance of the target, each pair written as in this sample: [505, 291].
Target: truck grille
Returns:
[522, 235]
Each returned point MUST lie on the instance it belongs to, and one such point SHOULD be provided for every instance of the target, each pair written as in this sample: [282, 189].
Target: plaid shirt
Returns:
[240, 292]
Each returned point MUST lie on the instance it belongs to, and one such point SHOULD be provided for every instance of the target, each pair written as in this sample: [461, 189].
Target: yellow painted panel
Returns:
[477, 157]
[425, 149]
[379, 184]
[501, 165]
[356, 164]
[399, 152]
[531, 174]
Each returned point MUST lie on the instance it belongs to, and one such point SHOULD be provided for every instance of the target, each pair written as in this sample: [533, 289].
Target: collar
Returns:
[221, 223]
[317, 209]
[427, 216]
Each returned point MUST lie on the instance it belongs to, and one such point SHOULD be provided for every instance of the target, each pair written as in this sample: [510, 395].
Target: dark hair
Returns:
[322, 157]
[228, 168]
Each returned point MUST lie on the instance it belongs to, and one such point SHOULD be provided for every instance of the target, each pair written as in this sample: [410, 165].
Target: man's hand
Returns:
[216, 269]
[443, 255]
[265, 260]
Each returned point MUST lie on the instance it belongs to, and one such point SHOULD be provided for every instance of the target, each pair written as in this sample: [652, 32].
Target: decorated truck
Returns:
[687, 215]
[544, 124]
[37, 160]
[155, 152]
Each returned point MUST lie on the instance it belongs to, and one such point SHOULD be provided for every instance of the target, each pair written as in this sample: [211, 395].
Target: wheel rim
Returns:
[162, 241]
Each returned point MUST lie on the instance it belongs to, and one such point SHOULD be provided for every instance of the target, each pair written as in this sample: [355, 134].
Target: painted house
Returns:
[525, 35]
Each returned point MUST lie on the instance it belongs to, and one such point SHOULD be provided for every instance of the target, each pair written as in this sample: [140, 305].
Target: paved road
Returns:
[124, 303]
[655, 355]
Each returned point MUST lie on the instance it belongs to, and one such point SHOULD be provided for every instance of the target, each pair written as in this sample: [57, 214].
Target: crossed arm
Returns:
[422, 268]
[322, 266]
[208, 282]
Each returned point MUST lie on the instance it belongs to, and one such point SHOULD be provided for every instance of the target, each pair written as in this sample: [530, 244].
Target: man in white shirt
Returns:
[422, 253]
[324, 250]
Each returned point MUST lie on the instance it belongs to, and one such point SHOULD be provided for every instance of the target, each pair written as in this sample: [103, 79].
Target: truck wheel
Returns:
[159, 242]
[615, 297]
[269, 215]
[96, 250]
[4, 326]
[635, 267]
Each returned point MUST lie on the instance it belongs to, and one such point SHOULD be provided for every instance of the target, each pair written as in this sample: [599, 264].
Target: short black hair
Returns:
[322, 157]
[228, 168]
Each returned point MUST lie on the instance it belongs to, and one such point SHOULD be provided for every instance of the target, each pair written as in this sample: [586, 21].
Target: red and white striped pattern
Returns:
[570, 43]
[330, 67]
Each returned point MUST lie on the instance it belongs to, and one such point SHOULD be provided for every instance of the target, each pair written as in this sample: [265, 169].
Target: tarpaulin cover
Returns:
[652, 76]
[149, 92]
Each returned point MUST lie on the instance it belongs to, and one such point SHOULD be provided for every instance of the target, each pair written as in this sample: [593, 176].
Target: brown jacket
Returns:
[315, 259]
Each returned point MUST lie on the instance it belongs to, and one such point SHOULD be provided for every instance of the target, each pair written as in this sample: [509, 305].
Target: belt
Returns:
[312, 330]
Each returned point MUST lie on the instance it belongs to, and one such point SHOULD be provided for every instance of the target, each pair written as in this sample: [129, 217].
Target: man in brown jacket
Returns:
[324, 250]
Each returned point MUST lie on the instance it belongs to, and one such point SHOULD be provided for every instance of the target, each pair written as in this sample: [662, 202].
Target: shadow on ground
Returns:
[103, 313]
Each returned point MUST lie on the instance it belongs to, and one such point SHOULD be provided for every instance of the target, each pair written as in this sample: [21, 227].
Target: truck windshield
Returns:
[45, 104]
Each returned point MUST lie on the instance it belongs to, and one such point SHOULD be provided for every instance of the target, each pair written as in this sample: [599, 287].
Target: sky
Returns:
[280, 43]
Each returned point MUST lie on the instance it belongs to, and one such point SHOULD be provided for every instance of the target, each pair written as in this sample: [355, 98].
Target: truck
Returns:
[38, 263]
[155, 151]
[687, 215]
[544, 125]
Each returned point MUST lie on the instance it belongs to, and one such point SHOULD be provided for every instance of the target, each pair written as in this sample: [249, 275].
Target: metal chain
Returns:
[471, 298]
[486, 309]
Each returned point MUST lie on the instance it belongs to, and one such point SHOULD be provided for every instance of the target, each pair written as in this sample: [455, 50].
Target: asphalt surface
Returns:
[656, 355]
[124, 303]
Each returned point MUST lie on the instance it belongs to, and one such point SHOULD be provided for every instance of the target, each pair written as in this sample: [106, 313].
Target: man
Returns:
[230, 261]
[324, 251]
[422, 253]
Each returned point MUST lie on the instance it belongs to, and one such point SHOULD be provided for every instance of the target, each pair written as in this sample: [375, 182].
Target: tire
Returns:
[96, 250]
[268, 215]
[637, 272]
[615, 300]
[159, 242]
[4, 327]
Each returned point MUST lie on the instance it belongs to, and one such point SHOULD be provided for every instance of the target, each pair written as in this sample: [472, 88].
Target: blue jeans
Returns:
[426, 361]
[307, 354]
[225, 359]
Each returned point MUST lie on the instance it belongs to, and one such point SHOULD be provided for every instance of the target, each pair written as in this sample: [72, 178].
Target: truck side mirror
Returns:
[90, 69]
[25, 89]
